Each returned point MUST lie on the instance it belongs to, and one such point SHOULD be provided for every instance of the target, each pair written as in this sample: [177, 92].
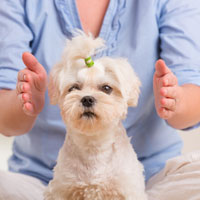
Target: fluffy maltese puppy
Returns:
[97, 161]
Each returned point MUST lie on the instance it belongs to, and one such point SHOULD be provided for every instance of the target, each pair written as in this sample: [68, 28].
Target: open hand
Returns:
[167, 92]
[31, 85]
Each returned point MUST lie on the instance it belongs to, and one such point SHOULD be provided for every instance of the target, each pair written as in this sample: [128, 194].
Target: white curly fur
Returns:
[97, 161]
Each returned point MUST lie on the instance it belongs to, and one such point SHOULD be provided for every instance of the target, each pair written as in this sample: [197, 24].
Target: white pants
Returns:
[20, 187]
[179, 180]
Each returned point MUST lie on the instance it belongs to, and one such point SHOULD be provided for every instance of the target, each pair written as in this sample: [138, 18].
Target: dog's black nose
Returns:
[88, 101]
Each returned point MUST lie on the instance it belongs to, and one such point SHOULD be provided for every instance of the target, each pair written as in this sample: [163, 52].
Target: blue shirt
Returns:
[140, 30]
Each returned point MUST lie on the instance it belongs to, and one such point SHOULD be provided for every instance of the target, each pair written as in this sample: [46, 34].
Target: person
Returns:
[159, 38]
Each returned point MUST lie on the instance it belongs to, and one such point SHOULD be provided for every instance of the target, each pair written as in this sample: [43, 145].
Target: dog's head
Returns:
[92, 98]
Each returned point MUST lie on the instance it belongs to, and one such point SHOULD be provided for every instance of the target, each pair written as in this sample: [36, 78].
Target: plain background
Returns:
[191, 143]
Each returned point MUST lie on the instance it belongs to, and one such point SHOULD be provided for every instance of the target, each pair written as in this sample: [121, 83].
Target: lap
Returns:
[179, 180]
[14, 186]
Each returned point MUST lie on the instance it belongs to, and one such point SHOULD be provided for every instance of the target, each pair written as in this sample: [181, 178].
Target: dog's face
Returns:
[93, 99]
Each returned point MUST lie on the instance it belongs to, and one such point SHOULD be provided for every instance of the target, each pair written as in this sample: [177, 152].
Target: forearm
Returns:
[188, 108]
[13, 120]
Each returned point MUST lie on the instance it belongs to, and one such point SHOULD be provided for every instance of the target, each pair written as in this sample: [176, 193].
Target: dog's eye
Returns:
[107, 89]
[74, 87]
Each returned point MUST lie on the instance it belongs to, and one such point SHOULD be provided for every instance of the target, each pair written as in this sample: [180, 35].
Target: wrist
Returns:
[16, 121]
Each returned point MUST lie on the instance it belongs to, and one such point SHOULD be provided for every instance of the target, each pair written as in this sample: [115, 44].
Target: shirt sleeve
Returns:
[15, 38]
[179, 28]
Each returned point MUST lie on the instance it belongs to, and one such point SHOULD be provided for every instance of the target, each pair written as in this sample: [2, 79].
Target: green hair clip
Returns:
[89, 62]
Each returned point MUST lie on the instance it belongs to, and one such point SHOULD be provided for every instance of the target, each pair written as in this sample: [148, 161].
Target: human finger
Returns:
[22, 75]
[23, 87]
[19, 87]
[169, 80]
[28, 108]
[161, 68]
[20, 97]
[32, 63]
[165, 113]
[26, 97]
[169, 104]
[169, 92]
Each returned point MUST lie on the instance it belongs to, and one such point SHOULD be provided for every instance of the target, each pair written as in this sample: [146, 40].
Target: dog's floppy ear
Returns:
[134, 92]
[53, 86]
[130, 82]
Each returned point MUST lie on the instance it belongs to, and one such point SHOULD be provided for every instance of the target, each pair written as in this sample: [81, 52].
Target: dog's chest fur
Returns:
[98, 170]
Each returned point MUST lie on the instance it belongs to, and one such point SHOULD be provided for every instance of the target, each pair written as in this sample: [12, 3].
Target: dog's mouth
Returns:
[88, 114]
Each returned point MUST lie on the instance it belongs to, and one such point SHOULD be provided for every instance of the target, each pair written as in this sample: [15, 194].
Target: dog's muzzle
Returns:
[88, 101]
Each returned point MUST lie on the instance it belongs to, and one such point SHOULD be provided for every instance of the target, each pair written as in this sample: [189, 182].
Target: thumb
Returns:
[161, 68]
[32, 63]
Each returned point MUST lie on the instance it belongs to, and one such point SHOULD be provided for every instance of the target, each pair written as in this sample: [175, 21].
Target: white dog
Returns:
[97, 161]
